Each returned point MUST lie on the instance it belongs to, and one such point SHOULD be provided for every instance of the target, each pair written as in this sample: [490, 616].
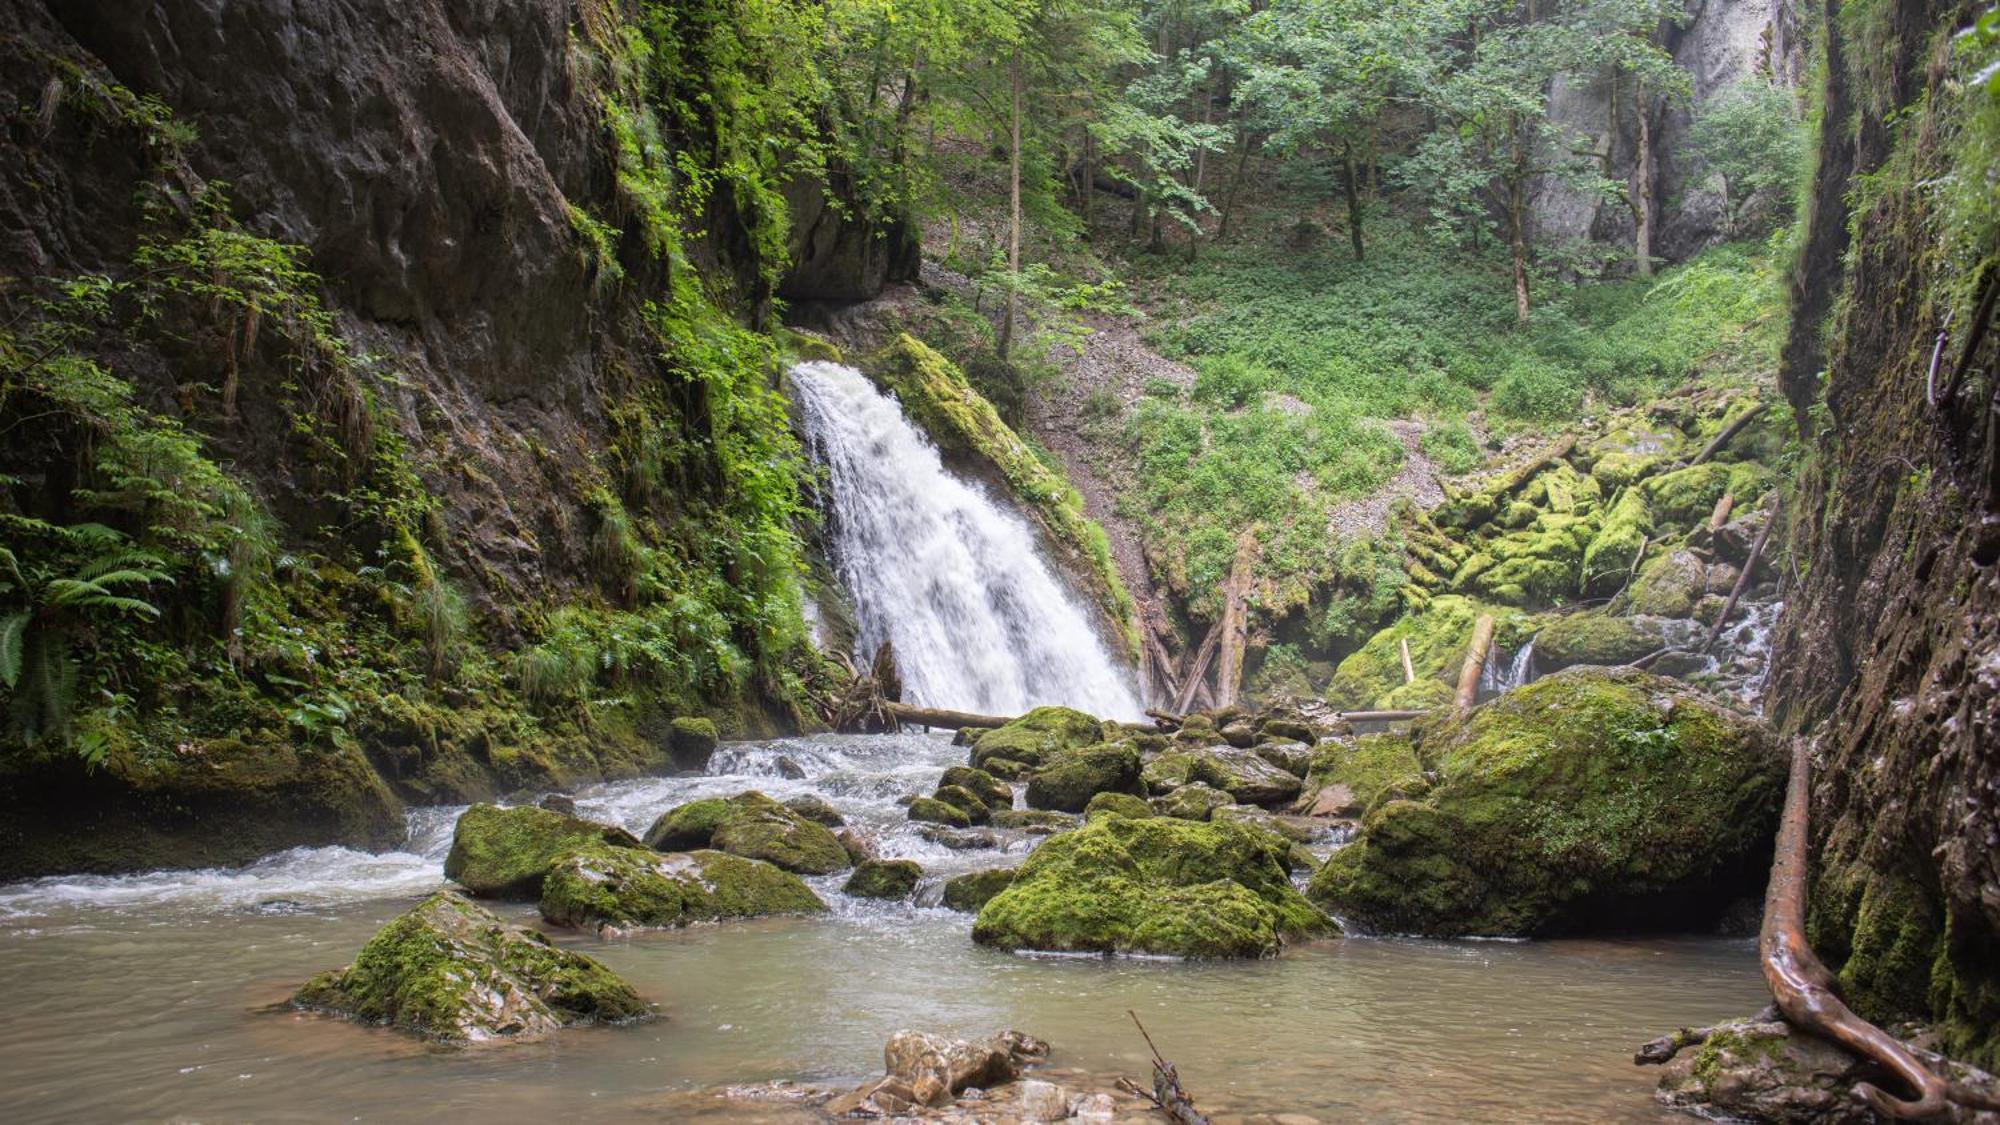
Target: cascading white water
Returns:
[942, 571]
[1499, 677]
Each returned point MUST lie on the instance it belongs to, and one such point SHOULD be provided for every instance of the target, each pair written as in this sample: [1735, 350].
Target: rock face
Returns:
[504, 853]
[1157, 885]
[1763, 1070]
[750, 825]
[603, 885]
[1593, 799]
[692, 742]
[450, 971]
[1348, 776]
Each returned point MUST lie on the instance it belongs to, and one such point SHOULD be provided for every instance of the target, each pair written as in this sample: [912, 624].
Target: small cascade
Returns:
[1740, 662]
[1499, 677]
[943, 571]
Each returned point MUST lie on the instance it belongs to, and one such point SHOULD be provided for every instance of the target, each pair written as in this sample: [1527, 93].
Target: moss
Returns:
[1686, 497]
[692, 741]
[935, 394]
[1626, 529]
[1036, 737]
[930, 810]
[1629, 451]
[1347, 777]
[450, 971]
[1193, 801]
[1116, 804]
[1539, 565]
[894, 879]
[1668, 586]
[504, 853]
[1070, 780]
[1592, 799]
[1033, 819]
[989, 789]
[1596, 637]
[605, 885]
[1371, 677]
[1155, 885]
[967, 893]
[752, 825]
[965, 801]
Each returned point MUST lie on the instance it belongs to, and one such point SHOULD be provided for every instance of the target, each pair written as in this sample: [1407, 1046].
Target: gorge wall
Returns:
[1890, 658]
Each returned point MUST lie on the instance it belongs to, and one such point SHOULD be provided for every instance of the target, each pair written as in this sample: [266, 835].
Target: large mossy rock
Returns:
[753, 826]
[1157, 885]
[1038, 736]
[451, 971]
[1069, 780]
[605, 885]
[1668, 586]
[1348, 776]
[1624, 531]
[503, 853]
[1597, 637]
[1535, 566]
[893, 879]
[1594, 799]
[1371, 678]
[1246, 775]
[968, 892]
[692, 741]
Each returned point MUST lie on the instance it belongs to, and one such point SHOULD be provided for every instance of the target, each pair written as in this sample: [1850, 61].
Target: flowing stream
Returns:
[942, 570]
[158, 996]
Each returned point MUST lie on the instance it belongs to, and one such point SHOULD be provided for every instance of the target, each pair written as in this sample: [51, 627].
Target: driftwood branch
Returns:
[1804, 988]
[1167, 1095]
[942, 719]
[1729, 432]
[1409, 673]
[1475, 662]
[1743, 579]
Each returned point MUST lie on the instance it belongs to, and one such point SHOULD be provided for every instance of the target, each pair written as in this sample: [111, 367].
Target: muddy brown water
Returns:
[159, 997]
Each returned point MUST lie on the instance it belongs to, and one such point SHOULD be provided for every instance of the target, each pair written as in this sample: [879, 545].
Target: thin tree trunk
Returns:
[1235, 183]
[1089, 177]
[1353, 190]
[1642, 187]
[1013, 211]
[1517, 220]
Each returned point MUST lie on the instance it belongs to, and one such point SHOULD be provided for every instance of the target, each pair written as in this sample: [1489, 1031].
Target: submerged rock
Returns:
[1071, 779]
[1593, 799]
[926, 1071]
[453, 972]
[893, 879]
[753, 826]
[604, 885]
[971, 891]
[1036, 737]
[503, 853]
[816, 810]
[1156, 885]
[932, 810]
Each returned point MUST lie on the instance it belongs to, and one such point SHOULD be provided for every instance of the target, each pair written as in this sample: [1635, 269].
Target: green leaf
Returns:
[12, 631]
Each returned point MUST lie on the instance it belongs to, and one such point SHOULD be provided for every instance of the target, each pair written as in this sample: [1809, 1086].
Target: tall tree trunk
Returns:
[1089, 177]
[1235, 183]
[1517, 219]
[1642, 187]
[1350, 181]
[1013, 211]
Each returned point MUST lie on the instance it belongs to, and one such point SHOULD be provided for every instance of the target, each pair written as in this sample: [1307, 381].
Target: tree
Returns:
[1753, 138]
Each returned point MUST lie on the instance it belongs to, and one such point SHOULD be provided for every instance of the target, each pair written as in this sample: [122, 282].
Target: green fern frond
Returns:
[12, 631]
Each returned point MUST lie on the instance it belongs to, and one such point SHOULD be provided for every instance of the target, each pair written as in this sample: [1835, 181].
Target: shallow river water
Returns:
[159, 997]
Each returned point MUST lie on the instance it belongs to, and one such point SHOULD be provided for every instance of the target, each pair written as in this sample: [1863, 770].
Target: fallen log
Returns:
[1729, 432]
[1475, 662]
[942, 719]
[1515, 480]
[1198, 668]
[1235, 638]
[1720, 515]
[1380, 716]
[1743, 579]
[1803, 987]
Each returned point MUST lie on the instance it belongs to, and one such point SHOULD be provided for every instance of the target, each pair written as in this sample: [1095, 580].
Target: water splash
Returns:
[942, 571]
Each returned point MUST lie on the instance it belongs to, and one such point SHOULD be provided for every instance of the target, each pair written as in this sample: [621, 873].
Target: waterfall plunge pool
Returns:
[155, 997]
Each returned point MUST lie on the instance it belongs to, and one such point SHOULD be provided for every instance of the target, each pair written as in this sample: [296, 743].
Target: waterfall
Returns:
[942, 571]
[1496, 680]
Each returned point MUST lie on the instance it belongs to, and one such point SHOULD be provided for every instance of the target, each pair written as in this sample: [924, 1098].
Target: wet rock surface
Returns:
[754, 826]
[609, 887]
[504, 853]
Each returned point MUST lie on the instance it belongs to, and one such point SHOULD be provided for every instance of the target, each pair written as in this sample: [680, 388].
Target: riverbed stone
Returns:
[1037, 737]
[752, 825]
[1597, 637]
[1156, 885]
[504, 852]
[956, 1065]
[931, 810]
[1071, 779]
[1116, 804]
[969, 892]
[965, 801]
[453, 972]
[600, 885]
[1294, 758]
[1034, 820]
[893, 879]
[692, 741]
[1243, 774]
[1348, 776]
[1193, 801]
[1594, 799]
[996, 793]
[817, 810]
[1668, 586]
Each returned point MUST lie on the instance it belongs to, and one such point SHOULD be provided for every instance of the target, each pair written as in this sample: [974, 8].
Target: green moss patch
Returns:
[504, 853]
[605, 885]
[750, 825]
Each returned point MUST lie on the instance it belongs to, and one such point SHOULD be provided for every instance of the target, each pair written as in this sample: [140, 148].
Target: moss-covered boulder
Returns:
[1539, 565]
[1193, 801]
[817, 810]
[1685, 497]
[996, 793]
[1624, 531]
[603, 885]
[965, 801]
[1245, 775]
[1294, 758]
[931, 810]
[1037, 737]
[504, 853]
[750, 825]
[1371, 678]
[894, 879]
[1668, 586]
[1116, 804]
[1157, 885]
[1630, 450]
[1034, 820]
[967, 893]
[1597, 637]
[1295, 829]
[1594, 799]
[1350, 775]
[692, 741]
[1070, 780]
[453, 972]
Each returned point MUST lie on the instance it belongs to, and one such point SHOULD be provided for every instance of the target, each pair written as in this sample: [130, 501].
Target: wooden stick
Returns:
[1381, 716]
[1235, 640]
[942, 719]
[1409, 673]
[1521, 476]
[1803, 987]
[1743, 579]
[1720, 515]
[1728, 432]
[1475, 661]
